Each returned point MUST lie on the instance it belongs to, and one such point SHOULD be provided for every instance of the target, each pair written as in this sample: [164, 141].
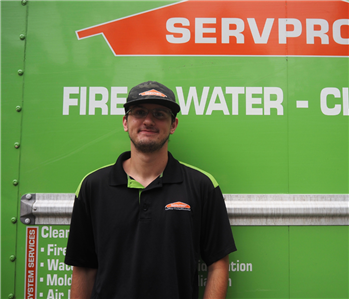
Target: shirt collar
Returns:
[172, 173]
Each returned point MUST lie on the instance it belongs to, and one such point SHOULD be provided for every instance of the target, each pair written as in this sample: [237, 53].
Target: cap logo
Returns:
[178, 206]
[153, 92]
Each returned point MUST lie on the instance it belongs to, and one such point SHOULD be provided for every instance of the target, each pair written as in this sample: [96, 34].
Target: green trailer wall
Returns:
[267, 120]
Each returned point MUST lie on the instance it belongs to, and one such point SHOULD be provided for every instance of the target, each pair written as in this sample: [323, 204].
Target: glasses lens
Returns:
[161, 113]
[140, 112]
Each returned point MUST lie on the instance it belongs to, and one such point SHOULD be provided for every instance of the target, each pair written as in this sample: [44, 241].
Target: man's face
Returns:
[149, 134]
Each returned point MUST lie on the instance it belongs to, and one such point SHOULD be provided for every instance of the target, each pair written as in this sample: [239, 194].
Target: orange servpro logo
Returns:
[233, 28]
[178, 206]
[153, 92]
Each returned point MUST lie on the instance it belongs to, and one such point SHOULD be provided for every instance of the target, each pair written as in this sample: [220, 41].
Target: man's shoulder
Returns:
[95, 175]
[198, 173]
[99, 172]
[104, 173]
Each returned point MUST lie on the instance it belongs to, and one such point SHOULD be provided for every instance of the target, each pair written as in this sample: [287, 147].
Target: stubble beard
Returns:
[149, 146]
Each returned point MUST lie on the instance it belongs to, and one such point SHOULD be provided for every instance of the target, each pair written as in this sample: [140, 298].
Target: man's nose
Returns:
[149, 118]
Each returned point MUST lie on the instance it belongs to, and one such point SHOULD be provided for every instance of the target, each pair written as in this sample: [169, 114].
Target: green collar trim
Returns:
[131, 183]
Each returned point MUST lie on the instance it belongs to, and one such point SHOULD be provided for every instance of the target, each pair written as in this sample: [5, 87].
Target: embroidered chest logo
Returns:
[181, 206]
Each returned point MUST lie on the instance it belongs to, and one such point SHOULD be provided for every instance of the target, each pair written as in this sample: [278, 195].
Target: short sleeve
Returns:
[81, 246]
[216, 236]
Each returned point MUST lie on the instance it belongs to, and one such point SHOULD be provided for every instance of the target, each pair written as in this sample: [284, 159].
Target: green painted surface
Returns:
[53, 276]
[318, 144]
[273, 262]
[267, 249]
[319, 262]
[13, 21]
[300, 151]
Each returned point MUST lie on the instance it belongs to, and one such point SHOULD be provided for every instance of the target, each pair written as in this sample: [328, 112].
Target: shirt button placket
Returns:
[145, 212]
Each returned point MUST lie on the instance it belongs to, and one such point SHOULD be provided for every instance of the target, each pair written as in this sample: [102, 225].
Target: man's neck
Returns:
[146, 167]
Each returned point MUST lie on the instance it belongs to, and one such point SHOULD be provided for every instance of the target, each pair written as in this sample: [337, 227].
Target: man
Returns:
[140, 226]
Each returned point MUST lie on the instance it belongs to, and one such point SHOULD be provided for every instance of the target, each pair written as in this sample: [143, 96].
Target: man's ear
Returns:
[124, 123]
[174, 126]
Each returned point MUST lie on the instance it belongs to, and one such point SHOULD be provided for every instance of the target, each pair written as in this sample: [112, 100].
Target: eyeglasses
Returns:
[158, 113]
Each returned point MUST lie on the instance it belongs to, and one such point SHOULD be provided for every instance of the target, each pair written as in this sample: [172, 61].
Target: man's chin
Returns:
[149, 146]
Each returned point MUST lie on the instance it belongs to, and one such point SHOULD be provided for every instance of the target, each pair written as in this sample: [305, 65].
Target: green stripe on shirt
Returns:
[79, 187]
[210, 176]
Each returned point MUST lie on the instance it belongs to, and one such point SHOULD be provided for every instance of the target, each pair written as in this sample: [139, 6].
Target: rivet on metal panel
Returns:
[15, 182]
[24, 2]
[18, 108]
[16, 144]
[13, 219]
[20, 72]
[11, 296]
[28, 196]
[22, 36]
[27, 221]
[12, 258]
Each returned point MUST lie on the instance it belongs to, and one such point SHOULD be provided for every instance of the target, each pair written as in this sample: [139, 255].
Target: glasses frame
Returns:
[129, 112]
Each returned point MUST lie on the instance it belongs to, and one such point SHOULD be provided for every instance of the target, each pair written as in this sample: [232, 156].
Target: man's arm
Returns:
[217, 279]
[82, 282]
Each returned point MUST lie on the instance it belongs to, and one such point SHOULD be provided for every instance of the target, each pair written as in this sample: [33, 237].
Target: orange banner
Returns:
[295, 28]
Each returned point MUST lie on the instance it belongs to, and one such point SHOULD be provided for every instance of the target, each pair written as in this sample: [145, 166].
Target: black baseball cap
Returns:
[152, 92]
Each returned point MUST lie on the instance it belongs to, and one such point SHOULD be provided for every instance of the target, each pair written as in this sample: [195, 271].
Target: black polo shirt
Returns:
[146, 242]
